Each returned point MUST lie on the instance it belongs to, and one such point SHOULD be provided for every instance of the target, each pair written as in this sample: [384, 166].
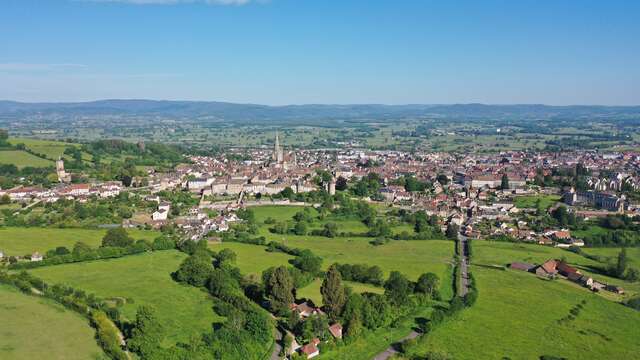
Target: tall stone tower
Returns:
[278, 155]
[63, 176]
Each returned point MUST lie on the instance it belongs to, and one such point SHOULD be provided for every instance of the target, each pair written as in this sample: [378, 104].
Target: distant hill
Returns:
[255, 112]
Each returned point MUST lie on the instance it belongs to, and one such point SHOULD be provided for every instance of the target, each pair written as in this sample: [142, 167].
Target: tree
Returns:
[5, 199]
[621, 265]
[80, 249]
[504, 182]
[333, 295]
[147, 333]
[354, 326]
[442, 179]
[452, 231]
[307, 261]
[427, 284]
[117, 237]
[195, 269]
[279, 289]
[341, 183]
[396, 288]
[61, 250]
[330, 230]
[300, 228]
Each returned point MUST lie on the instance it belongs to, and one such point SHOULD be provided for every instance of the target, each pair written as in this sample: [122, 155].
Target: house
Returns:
[36, 256]
[1, 254]
[159, 215]
[521, 266]
[548, 269]
[311, 349]
[615, 289]
[336, 330]
[305, 310]
[583, 280]
[564, 269]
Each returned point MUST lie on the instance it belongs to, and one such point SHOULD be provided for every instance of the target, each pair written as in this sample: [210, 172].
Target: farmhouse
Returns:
[311, 349]
[521, 266]
[336, 330]
[36, 256]
[548, 269]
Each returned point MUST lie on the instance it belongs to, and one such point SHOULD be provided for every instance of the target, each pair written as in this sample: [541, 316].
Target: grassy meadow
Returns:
[530, 201]
[22, 159]
[411, 258]
[502, 253]
[26, 240]
[144, 279]
[36, 328]
[517, 317]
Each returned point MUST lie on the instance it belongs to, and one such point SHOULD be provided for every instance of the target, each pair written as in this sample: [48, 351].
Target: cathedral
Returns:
[278, 158]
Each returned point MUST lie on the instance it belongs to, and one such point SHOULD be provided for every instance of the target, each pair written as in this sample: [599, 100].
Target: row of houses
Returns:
[64, 191]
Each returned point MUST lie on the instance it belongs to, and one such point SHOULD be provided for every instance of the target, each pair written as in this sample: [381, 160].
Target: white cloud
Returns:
[37, 67]
[173, 2]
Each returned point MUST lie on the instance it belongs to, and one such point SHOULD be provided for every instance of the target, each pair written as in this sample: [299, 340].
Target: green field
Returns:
[253, 259]
[516, 316]
[633, 254]
[546, 201]
[22, 241]
[499, 253]
[146, 279]
[50, 148]
[21, 159]
[36, 328]
[411, 258]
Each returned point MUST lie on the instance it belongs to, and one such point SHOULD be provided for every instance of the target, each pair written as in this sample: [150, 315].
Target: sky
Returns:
[322, 51]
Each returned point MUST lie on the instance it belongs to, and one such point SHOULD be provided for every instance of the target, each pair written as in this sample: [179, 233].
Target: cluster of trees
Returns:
[247, 331]
[116, 243]
[361, 273]
[368, 186]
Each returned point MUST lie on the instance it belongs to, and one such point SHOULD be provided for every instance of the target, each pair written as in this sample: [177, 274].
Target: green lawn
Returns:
[516, 316]
[21, 159]
[312, 291]
[22, 241]
[36, 328]
[530, 201]
[146, 278]
[502, 253]
[253, 259]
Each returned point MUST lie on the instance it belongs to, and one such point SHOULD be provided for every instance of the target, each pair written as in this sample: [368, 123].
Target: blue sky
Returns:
[322, 51]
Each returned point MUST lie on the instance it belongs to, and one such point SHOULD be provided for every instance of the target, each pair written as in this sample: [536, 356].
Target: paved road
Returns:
[277, 346]
[391, 350]
[464, 265]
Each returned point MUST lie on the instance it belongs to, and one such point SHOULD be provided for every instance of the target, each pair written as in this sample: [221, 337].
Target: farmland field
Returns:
[146, 279]
[253, 259]
[520, 314]
[35, 328]
[50, 148]
[22, 241]
[499, 253]
[21, 159]
[411, 258]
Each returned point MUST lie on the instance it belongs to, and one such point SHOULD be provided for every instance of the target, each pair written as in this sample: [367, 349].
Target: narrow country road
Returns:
[391, 350]
[277, 345]
[464, 265]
